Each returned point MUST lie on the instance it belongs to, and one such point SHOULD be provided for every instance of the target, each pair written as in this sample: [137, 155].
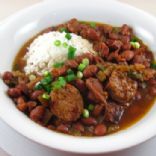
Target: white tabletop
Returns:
[14, 144]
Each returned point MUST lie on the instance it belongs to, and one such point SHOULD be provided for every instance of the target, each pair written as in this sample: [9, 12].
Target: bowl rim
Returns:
[76, 145]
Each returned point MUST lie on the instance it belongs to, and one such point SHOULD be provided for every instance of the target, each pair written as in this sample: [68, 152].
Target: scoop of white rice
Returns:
[43, 53]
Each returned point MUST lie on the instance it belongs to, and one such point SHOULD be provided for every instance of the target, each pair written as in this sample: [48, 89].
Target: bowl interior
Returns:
[24, 25]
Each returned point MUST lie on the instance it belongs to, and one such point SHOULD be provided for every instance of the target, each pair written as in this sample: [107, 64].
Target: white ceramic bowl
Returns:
[20, 27]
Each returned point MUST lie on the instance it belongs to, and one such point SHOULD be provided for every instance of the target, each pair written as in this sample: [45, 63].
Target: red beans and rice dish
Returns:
[90, 94]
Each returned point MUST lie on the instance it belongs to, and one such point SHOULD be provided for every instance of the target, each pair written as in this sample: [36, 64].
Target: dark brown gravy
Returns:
[134, 113]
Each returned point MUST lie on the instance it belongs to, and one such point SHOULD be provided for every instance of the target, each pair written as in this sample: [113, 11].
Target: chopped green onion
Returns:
[135, 45]
[45, 96]
[57, 43]
[32, 77]
[46, 80]
[70, 77]
[64, 44]
[38, 86]
[71, 52]
[61, 82]
[46, 73]
[134, 39]
[47, 88]
[79, 74]
[56, 85]
[90, 107]
[85, 113]
[81, 67]
[68, 36]
[63, 29]
[153, 65]
[58, 64]
[85, 61]
[69, 71]
[93, 24]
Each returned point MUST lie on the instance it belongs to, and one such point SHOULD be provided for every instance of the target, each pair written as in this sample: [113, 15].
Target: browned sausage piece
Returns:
[67, 103]
[121, 88]
[113, 112]
[96, 88]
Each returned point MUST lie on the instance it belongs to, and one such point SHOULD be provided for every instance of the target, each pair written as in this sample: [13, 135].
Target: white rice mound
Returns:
[43, 53]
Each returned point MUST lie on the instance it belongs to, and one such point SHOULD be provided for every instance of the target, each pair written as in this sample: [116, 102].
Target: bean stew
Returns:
[90, 94]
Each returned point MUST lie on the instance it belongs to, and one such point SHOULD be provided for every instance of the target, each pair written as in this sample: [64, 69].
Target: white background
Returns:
[16, 145]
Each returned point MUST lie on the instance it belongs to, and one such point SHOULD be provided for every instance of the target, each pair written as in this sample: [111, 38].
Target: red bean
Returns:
[71, 63]
[152, 91]
[80, 84]
[23, 87]
[90, 71]
[56, 72]
[89, 121]
[36, 94]
[14, 92]
[31, 105]
[100, 130]
[97, 110]
[7, 76]
[21, 104]
[128, 54]
[102, 49]
[152, 81]
[37, 113]
[63, 128]
[79, 127]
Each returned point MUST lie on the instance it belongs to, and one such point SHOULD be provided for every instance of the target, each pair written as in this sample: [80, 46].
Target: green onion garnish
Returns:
[32, 77]
[59, 83]
[85, 113]
[57, 43]
[58, 64]
[81, 67]
[69, 71]
[64, 44]
[46, 96]
[90, 107]
[135, 45]
[93, 24]
[70, 77]
[68, 36]
[46, 80]
[85, 61]
[47, 88]
[46, 73]
[63, 29]
[71, 52]
[38, 86]
[79, 74]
